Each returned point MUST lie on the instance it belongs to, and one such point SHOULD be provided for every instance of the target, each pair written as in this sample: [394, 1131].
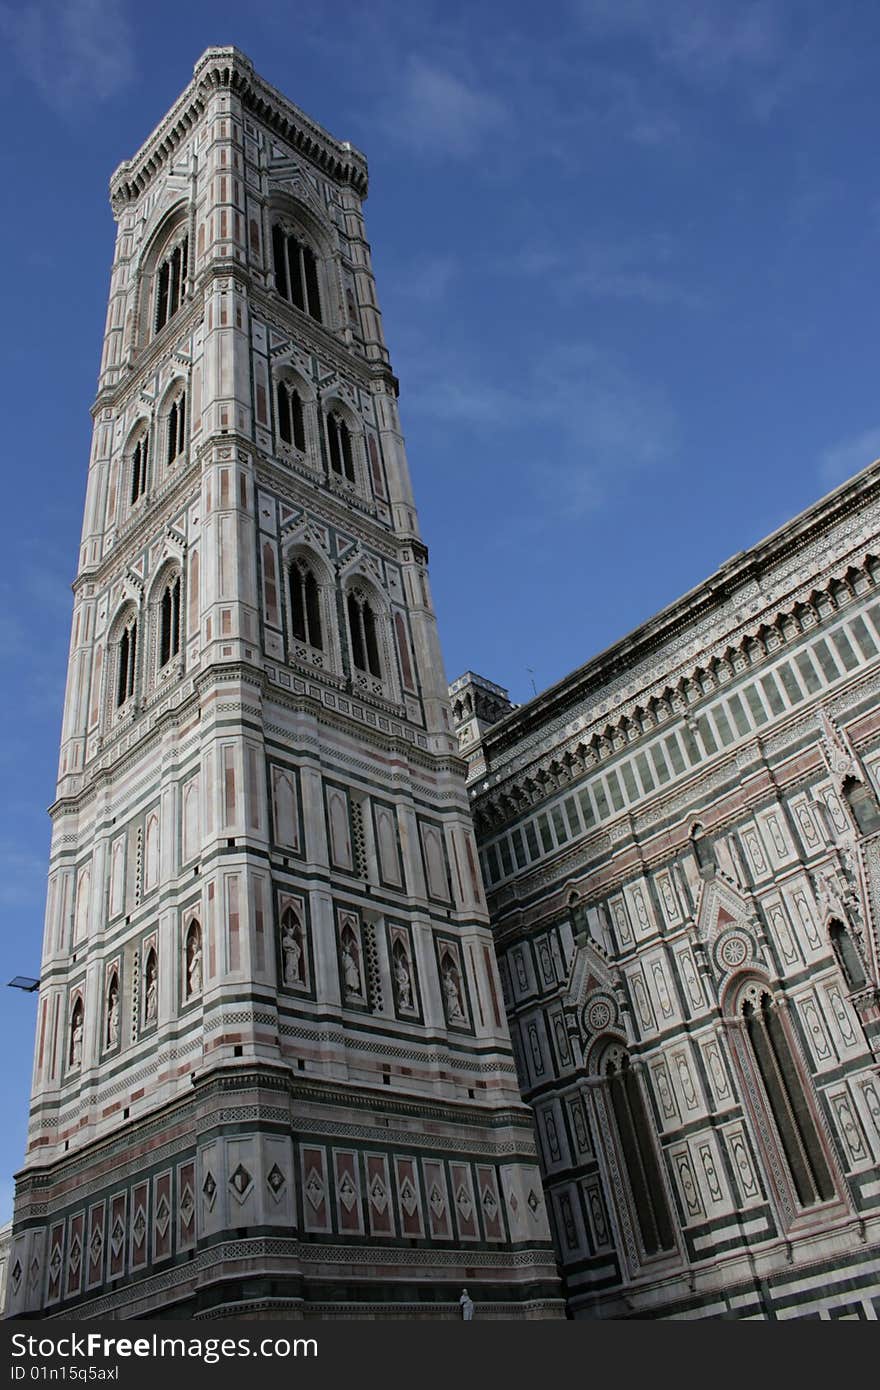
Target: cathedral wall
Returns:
[687, 855]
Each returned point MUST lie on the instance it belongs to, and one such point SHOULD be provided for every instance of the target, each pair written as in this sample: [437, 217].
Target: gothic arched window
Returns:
[139, 468]
[126, 662]
[291, 423]
[862, 804]
[305, 605]
[171, 283]
[169, 621]
[637, 1144]
[847, 956]
[364, 639]
[176, 437]
[339, 447]
[787, 1100]
[296, 272]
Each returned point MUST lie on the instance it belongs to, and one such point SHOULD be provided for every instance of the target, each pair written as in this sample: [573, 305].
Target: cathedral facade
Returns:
[681, 849]
[273, 1074]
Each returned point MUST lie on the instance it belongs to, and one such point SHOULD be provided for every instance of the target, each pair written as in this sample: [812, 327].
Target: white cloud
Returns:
[597, 423]
[436, 112]
[76, 52]
[849, 456]
[635, 269]
[704, 41]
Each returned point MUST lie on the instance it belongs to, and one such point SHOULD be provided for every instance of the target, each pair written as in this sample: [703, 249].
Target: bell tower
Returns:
[272, 1073]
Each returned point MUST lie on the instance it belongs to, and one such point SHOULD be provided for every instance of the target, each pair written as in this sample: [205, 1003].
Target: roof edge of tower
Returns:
[228, 67]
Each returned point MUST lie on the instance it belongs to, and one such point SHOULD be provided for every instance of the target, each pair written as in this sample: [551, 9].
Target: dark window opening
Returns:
[296, 273]
[291, 424]
[176, 428]
[169, 622]
[637, 1144]
[171, 283]
[364, 640]
[847, 956]
[788, 1104]
[127, 658]
[339, 444]
[863, 805]
[305, 605]
[139, 468]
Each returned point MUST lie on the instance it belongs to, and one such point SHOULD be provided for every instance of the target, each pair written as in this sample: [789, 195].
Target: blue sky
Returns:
[627, 256]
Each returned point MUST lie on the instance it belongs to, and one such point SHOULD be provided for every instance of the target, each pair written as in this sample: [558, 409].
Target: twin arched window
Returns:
[362, 631]
[305, 604]
[139, 467]
[291, 423]
[339, 447]
[169, 621]
[171, 283]
[637, 1146]
[296, 272]
[176, 436]
[127, 662]
[786, 1097]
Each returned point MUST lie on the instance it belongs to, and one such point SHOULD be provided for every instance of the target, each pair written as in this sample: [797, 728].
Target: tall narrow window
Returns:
[291, 425]
[169, 621]
[305, 606]
[171, 283]
[639, 1155]
[847, 956]
[364, 642]
[788, 1102]
[339, 444]
[139, 468]
[127, 662]
[176, 428]
[296, 272]
[863, 805]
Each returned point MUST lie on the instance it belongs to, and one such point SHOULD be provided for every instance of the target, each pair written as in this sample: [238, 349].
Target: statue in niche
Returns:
[350, 969]
[452, 993]
[291, 950]
[193, 963]
[76, 1036]
[151, 997]
[113, 1013]
[402, 978]
[467, 1306]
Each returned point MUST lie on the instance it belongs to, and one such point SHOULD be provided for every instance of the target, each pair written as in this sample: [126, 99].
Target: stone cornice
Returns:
[539, 756]
[229, 69]
[745, 570]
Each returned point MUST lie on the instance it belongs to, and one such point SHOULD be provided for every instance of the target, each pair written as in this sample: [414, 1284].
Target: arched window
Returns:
[637, 1145]
[704, 852]
[171, 283]
[305, 605]
[847, 956]
[339, 447]
[787, 1101]
[139, 468]
[296, 272]
[862, 804]
[169, 621]
[291, 424]
[364, 642]
[176, 428]
[126, 662]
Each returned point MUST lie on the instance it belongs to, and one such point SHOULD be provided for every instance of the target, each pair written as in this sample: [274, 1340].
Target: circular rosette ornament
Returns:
[599, 1013]
[733, 950]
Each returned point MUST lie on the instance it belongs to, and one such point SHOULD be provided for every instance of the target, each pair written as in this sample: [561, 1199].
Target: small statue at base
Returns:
[467, 1305]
